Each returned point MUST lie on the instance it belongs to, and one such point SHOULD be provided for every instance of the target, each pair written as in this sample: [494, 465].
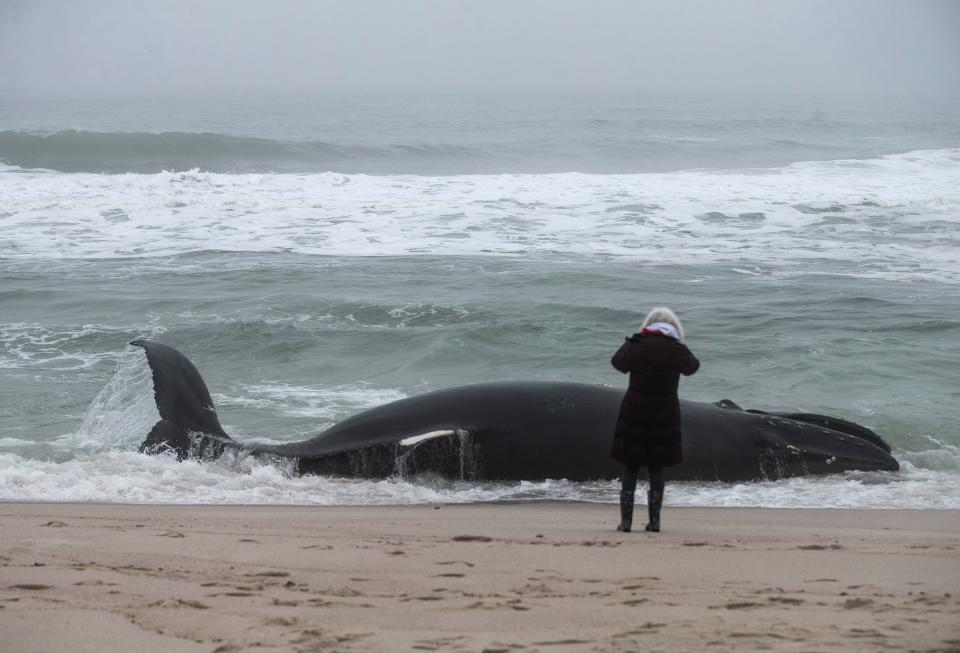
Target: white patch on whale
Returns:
[417, 439]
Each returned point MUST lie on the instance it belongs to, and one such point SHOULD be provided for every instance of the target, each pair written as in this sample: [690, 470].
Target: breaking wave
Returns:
[891, 217]
[120, 152]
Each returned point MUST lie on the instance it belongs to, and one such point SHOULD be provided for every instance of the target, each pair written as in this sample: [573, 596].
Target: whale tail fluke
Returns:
[186, 409]
[167, 436]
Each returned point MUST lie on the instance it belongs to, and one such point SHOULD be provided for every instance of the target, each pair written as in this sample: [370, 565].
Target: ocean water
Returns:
[316, 257]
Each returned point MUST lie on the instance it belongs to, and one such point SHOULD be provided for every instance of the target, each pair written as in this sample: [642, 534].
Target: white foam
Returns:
[128, 477]
[10, 443]
[892, 217]
[32, 345]
[325, 404]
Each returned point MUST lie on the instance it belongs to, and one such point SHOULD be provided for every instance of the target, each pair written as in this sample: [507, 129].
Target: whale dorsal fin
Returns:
[727, 403]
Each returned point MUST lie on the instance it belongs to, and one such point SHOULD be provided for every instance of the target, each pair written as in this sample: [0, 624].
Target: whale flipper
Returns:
[729, 404]
[834, 424]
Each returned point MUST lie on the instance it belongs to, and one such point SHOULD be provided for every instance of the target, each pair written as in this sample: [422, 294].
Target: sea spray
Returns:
[122, 414]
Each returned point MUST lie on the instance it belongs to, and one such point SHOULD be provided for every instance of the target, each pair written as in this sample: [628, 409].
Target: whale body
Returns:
[516, 430]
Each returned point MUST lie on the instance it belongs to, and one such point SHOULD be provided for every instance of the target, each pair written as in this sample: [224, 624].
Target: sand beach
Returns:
[491, 577]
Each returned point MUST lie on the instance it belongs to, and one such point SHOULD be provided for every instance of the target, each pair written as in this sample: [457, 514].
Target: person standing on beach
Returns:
[648, 425]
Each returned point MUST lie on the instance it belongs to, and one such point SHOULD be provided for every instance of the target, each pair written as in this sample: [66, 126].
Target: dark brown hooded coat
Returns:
[648, 425]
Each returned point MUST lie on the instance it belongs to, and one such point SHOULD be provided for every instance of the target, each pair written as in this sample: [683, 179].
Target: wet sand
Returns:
[496, 578]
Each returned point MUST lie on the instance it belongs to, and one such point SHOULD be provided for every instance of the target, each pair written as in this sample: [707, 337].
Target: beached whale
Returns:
[515, 431]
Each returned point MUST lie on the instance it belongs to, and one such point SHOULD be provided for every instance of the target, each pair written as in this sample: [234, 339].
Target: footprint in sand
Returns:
[438, 644]
[280, 621]
[227, 648]
[642, 629]
[471, 538]
[513, 604]
[343, 592]
[30, 586]
[179, 603]
[599, 543]
[787, 600]
[320, 602]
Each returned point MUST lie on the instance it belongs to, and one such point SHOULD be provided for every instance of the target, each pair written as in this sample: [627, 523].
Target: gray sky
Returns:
[809, 47]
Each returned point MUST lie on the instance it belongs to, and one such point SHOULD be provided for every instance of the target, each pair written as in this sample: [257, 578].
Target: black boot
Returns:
[654, 501]
[626, 511]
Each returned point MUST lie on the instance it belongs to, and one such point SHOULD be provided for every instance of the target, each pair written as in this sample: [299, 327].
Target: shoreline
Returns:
[639, 513]
[539, 576]
[434, 504]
